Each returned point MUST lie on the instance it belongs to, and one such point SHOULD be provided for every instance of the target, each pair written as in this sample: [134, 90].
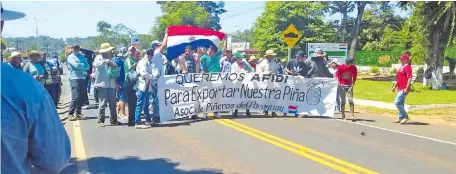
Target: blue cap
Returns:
[301, 54]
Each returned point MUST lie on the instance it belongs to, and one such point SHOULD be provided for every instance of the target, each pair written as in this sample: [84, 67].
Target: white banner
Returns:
[185, 95]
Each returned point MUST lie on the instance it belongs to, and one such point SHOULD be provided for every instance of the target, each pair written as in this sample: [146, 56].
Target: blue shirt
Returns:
[32, 133]
[77, 66]
[120, 63]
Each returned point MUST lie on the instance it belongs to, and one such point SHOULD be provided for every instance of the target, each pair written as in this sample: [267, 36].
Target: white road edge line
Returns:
[81, 158]
[399, 132]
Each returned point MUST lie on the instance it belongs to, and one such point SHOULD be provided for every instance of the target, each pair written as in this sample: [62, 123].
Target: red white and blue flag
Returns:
[293, 109]
[180, 37]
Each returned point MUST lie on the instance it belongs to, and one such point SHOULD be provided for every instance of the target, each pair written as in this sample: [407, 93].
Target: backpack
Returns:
[131, 76]
[428, 73]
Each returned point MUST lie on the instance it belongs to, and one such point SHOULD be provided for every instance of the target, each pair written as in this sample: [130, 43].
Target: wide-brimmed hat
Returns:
[270, 53]
[238, 55]
[105, 47]
[8, 15]
[34, 53]
[318, 53]
[253, 58]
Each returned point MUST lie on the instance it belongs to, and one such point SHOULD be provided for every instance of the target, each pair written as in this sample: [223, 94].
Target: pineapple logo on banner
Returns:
[313, 95]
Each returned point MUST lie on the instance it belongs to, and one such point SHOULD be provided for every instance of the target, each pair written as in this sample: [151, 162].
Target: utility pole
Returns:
[17, 44]
[36, 36]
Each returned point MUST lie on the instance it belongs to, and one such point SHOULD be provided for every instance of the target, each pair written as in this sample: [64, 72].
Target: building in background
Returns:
[237, 44]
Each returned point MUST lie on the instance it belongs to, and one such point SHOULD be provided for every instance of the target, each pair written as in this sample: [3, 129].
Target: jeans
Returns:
[94, 91]
[53, 91]
[131, 101]
[86, 90]
[142, 104]
[78, 89]
[400, 101]
[154, 101]
[107, 96]
[337, 100]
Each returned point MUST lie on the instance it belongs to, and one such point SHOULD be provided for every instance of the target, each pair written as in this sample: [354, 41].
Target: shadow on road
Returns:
[416, 123]
[98, 165]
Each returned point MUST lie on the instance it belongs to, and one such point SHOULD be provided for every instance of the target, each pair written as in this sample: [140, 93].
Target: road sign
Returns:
[333, 50]
[291, 36]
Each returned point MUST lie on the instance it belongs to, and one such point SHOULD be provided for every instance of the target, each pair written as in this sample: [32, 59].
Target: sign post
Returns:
[291, 36]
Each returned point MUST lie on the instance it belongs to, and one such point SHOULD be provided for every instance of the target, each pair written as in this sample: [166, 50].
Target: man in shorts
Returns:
[346, 75]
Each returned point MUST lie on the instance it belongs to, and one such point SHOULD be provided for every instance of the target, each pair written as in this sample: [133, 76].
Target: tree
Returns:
[180, 13]
[342, 7]
[375, 21]
[360, 6]
[436, 21]
[214, 9]
[246, 35]
[278, 15]
[119, 34]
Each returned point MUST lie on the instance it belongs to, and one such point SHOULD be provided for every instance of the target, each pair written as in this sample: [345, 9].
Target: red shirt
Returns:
[253, 65]
[346, 74]
[403, 74]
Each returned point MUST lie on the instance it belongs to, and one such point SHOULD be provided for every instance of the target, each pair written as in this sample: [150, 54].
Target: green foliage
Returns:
[44, 43]
[180, 13]
[3, 44]
[377, 21]
[114, 35]
[62, 57]
[371, 58]
[146, 40]
[214, 9]
[375, 69]
[278, 15]
[420, 70]
[394, 71]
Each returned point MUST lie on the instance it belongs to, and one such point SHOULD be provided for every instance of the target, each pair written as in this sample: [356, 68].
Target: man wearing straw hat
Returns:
[45, 145]
[268, 66]
[106, 84]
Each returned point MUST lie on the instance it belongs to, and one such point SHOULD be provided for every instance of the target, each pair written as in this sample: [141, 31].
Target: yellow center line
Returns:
[301, 149]
[296, 151]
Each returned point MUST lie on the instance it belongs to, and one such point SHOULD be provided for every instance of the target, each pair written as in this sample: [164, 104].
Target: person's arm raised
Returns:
[164, 42]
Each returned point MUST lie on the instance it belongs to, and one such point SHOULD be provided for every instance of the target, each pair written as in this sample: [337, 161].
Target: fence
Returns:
[386, 58]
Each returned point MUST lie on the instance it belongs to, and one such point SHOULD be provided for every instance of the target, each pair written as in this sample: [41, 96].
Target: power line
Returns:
[245, 12]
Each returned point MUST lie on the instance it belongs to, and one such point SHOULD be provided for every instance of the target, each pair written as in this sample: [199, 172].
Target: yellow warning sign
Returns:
[291, 36]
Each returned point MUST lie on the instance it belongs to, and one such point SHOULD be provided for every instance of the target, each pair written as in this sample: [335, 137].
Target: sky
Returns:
[63, 19]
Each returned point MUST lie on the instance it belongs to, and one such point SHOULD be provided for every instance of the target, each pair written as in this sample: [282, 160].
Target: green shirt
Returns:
[129, 62]
[211, 64]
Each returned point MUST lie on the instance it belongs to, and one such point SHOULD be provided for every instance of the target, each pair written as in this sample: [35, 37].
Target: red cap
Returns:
[404, 56]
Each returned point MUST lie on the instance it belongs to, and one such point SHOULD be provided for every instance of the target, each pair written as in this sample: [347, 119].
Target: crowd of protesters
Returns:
[129, 79]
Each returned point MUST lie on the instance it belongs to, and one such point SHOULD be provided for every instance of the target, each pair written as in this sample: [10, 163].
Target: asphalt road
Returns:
[262, 146]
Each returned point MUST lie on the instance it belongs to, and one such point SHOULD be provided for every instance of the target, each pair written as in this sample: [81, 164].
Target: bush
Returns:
[384, 60]
[375, 69]
[394, 71]
[420, 70]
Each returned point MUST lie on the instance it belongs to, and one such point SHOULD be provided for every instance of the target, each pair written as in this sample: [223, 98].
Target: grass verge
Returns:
[441, 115]
[381, 91]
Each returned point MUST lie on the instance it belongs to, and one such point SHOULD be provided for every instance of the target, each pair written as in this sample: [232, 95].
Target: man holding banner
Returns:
[270, 67]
